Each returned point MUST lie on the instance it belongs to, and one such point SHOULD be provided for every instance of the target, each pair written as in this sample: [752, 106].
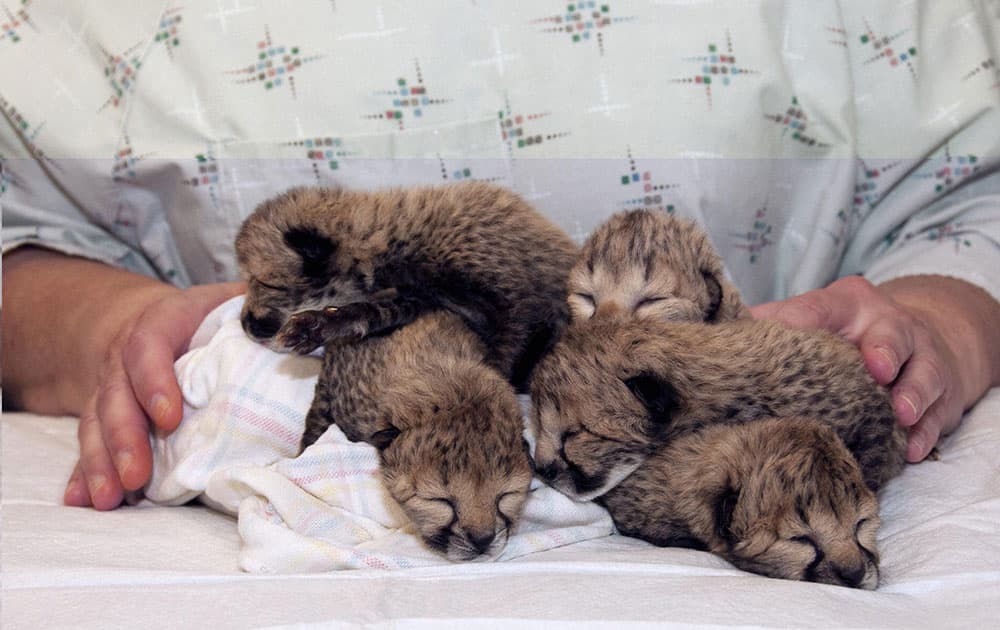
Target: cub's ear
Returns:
[725, 505]
[382, 439]
[658, 396]
[724, 301]
[714, 290]
[314, 248]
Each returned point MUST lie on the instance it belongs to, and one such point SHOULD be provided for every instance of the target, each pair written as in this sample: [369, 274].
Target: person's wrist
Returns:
[120, 310]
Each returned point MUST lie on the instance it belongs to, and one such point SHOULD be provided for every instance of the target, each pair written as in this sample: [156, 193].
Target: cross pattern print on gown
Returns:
[408, 99]
[583, 22]
[274, 66]
[717, 68]
[643, 189]
[884, 48]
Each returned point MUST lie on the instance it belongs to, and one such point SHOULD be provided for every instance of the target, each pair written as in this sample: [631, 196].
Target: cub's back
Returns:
[616, 388]
[357, 379]
[479, 228]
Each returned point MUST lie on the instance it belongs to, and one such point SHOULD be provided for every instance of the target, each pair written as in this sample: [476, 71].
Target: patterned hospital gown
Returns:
[812, 139]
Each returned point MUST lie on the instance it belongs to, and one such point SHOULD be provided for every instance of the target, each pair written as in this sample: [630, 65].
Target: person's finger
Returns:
[148, 360]
[809, 310]
[886, 345]
[847, 307]
[76, 494]
[837, 308]
[920, 384]
[159, 337]
[99, 472]
[124, 430]
[923, 436]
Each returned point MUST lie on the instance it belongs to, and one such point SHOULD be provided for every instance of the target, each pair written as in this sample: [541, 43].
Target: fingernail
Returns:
[906, 410]
[160, 406]
[890, 358]
[78, 498]
[915, 451]
[95, 483]
[123, 461]
[76, 492]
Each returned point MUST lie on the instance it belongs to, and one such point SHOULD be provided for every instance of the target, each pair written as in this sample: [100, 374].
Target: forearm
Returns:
[61, 315]
[966, 317]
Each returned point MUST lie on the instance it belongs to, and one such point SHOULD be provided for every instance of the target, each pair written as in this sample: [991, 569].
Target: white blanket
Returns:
[327, 509]
[151, 566]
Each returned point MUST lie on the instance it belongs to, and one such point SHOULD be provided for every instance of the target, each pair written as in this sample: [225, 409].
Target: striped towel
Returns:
[244, 413]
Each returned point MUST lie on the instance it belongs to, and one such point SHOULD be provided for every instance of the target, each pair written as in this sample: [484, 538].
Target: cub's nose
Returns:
[261, 327]
[482, 541]
[850, 576]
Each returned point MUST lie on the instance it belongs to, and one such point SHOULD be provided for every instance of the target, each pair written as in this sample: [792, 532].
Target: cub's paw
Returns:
[303, 332]
[307, 330]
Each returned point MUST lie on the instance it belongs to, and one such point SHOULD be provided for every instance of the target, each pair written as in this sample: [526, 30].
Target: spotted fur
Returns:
[653, 265]
[325, 265]
[615, 389]
[448, 429]
[780, 497]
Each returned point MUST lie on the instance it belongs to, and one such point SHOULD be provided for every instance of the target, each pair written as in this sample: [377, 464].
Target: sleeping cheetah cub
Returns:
[780, 497]
[325, 264]
[448, 429]
[615, 389]
[654, 265]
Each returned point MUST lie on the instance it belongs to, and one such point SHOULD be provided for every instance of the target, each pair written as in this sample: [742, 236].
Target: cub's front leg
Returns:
[317, 422]
[349, 391]
[308, 330]
[354, 409]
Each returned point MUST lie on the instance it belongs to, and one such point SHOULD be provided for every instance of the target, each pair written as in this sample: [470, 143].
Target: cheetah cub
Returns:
[448, 430]
[325, 265]
[779, 497]
[615, 389]
[653, 265]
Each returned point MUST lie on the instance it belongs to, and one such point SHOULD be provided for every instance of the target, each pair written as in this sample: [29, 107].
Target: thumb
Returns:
[163, 334]
[814, 309]
[834, 308]
[767, 310]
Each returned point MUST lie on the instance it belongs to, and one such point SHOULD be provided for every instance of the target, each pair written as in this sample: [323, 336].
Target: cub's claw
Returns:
[307, 330]
[303, 332]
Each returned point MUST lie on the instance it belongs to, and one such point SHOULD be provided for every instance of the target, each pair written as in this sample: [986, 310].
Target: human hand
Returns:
[914, 349]
[135, 386]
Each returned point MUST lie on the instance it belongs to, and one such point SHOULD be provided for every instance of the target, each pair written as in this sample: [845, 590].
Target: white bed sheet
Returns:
[151, 567]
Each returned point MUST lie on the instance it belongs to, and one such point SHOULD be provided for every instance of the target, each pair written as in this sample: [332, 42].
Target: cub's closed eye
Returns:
[648, 301]
[446, 501]
[507, 520]
[267, 286]
[586, 297]
[503, 496]
[512, 493]
[805, 540]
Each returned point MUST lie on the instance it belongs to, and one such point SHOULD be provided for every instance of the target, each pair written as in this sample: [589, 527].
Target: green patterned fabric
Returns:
[811, 139]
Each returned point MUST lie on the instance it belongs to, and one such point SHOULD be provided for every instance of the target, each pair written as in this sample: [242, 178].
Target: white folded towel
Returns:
[244, 413]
